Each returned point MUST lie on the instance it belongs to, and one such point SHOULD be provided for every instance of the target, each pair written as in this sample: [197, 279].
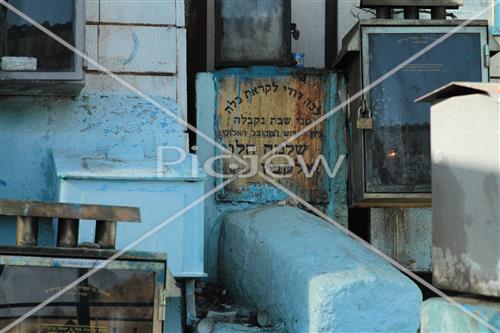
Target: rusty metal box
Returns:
[127, 295]
[465, 140]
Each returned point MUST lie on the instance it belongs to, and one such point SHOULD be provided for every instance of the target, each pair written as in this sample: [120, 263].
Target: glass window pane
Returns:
[25, 40]
[248, 23]
[397, 150]
[109, 301]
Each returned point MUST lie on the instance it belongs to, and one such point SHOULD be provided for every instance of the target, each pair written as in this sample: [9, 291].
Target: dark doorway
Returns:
[196, 23]
[331, 32]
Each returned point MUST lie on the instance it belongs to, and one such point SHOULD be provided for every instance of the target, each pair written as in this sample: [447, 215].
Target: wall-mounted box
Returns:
[128, 295]
[252, 32]
[389, 132]
[127, 181]
[53, 68]
[465, 132]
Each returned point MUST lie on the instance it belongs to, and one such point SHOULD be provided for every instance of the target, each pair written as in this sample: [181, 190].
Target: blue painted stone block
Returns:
[439, 315]
[311, 276]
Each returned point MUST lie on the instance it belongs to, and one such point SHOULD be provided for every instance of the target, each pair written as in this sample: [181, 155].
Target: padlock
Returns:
[364, 122]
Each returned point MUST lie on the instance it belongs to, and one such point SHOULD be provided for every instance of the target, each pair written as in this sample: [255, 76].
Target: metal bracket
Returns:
[295, 32]
[162, 306]
[487, 59]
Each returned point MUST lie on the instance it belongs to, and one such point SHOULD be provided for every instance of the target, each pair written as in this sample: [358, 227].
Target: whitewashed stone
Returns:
[91, 35]
[164, 86]
[92, 10]
[138, 49]
[139, 11]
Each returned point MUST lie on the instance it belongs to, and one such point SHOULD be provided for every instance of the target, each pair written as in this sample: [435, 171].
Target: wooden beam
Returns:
[69, 211]
[331, 32]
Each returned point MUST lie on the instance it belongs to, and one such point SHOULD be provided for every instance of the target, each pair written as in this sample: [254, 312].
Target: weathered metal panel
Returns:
[466, 193]
[257, 113]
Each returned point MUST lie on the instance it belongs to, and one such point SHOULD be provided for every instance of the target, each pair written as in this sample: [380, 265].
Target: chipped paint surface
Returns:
[259, 108]
[466, 193]
[255, 195]
[439, 315]
[311, 276]
[255, 115]
[336, 145]
[404, 234]
[106, 125]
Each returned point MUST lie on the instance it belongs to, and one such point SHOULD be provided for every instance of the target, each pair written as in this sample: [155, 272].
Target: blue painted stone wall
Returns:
[311, 276]
[109, 125]
[207, 86]
[439, 315]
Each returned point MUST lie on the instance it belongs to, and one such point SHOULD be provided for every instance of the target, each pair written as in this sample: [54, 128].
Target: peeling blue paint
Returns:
[335, 129]
[440, 315]
[257, 195]
[335, 133]
[109, 125]
[261, 194]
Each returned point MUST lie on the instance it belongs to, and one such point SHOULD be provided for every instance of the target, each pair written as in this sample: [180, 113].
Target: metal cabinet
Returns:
[466, 187]
[128, 295]
[389, 132]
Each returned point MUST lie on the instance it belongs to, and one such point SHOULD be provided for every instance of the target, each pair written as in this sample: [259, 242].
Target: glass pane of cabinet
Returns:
[397, 149]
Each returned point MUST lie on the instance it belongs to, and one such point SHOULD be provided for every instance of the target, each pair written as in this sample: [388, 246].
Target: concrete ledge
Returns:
[312, 277]
[438, 315]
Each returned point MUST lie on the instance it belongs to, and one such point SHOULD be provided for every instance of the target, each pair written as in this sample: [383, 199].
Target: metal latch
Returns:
[487, 58]
[364, 119]
[162, 304]
[295, 32]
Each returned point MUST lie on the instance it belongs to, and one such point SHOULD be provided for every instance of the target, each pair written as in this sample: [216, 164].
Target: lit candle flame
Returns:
[393, 153]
